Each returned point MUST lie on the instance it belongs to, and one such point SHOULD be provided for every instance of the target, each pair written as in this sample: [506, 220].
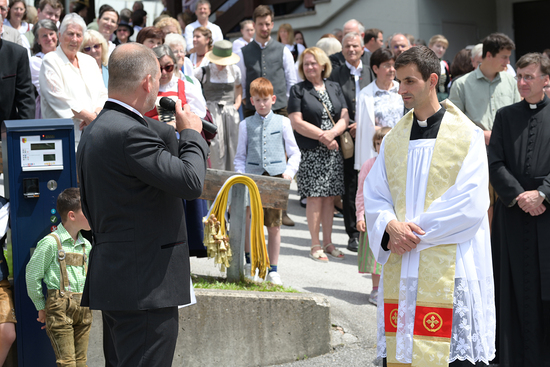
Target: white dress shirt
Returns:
[127, 106]
[291, 148]
[65, 87]
[288, 66]
[238, 44]
[217, 34]
[193, 58]
[35, 64]
[356, 72]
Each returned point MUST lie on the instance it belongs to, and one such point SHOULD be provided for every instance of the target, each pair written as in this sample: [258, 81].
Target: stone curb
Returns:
[239, 328]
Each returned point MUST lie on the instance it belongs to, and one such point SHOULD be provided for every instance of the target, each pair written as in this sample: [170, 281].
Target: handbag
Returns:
[346, 142]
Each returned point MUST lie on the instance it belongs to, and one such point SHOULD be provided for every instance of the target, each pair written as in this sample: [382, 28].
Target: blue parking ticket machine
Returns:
[39, 163]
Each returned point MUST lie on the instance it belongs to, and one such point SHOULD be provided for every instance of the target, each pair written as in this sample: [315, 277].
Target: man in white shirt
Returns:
[352, 76]
[202, 12]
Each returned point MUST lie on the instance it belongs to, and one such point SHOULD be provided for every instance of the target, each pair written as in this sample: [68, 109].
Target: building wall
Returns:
[421, 18]
[457, 21]
[389, 15]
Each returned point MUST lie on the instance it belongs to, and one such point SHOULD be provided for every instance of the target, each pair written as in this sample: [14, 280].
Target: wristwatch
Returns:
[543, 195]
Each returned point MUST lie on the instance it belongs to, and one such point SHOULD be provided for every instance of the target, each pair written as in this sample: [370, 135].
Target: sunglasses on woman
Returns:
[89, 48]
[167, 68]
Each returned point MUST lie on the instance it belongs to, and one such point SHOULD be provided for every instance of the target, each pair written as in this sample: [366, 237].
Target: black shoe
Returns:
[353, 245]
[303, 201]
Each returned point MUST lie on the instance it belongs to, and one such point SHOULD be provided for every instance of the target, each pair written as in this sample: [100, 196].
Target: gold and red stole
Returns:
[436, 273]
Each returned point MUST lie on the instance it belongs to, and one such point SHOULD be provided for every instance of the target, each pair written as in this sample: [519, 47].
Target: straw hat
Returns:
[222, 54]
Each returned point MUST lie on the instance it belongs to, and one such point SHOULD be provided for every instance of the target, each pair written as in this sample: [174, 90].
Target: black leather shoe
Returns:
[353, 245]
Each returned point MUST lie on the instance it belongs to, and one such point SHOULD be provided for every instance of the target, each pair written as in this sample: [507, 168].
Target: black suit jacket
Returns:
[338, 59]
[131, 187]
[305, 99]
[16, 91]
[343, 77]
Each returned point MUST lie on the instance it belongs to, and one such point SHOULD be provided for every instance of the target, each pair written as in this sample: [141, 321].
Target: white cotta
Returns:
[458, 216]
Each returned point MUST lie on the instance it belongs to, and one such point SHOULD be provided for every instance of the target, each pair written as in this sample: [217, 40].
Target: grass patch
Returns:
[202, 282]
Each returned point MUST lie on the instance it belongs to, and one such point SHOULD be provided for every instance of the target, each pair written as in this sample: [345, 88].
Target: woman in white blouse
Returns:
[107, 24]
[17, 17]
[247, 32]
[70, 81]
[45, 41]
[285, 35]
[202, 43]
[221, 83]
[379, 105]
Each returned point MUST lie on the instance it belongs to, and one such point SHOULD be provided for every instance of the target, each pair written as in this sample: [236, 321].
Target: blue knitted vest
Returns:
[266, 149]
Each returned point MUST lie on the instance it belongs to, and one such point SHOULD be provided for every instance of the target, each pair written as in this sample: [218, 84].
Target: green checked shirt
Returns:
[44, 265]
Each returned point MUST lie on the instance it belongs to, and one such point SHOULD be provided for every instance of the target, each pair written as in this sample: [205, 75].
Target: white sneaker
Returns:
[274, 278]
[373, 297]
[247, 268]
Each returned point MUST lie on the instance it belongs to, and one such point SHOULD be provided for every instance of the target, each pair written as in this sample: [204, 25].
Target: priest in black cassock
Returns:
[519, 165]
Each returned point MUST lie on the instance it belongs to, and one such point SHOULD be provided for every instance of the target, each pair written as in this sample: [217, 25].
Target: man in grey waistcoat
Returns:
[265, 57]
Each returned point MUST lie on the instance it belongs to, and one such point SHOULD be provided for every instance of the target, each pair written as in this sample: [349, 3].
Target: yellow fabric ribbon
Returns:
[216, 239]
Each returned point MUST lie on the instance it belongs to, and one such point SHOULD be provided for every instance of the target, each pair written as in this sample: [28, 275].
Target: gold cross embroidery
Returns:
[432, 322]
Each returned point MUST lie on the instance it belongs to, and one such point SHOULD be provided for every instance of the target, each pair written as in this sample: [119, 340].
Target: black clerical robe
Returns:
[519, 160]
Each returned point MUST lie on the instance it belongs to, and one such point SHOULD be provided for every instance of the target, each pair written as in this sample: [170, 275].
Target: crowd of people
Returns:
[416, 179]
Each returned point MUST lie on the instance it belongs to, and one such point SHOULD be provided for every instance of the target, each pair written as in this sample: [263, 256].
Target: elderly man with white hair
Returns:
[70, 81]
[353, 76]
[338, 59]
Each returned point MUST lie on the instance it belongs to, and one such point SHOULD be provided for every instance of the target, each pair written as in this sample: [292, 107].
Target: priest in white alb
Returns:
[426, 201]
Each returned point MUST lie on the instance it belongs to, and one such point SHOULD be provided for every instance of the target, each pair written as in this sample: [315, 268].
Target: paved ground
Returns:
[353, 318]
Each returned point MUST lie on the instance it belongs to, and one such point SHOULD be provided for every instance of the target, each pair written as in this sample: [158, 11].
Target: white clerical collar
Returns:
[425, 122]
[127, 106]
[263, 45]
[353, 70]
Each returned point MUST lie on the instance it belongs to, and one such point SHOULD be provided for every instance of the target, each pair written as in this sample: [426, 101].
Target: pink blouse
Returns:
[359, 200]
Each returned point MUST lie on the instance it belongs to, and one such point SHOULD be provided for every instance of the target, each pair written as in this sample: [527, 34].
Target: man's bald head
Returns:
[129, 65]
[399, 43]
[354, 25]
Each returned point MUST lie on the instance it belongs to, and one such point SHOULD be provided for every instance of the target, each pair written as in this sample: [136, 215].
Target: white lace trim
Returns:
[474, 320]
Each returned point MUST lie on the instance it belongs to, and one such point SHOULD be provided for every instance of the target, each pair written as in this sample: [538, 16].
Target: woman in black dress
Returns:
[321, 173]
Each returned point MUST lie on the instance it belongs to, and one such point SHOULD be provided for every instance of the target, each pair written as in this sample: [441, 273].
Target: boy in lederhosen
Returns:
[61, 260]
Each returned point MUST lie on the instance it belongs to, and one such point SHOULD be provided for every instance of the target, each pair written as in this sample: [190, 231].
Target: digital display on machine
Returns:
[42, 146]
[39, 154]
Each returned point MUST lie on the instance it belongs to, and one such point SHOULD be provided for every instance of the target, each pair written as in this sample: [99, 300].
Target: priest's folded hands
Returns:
[531, 202]
[402, 236]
